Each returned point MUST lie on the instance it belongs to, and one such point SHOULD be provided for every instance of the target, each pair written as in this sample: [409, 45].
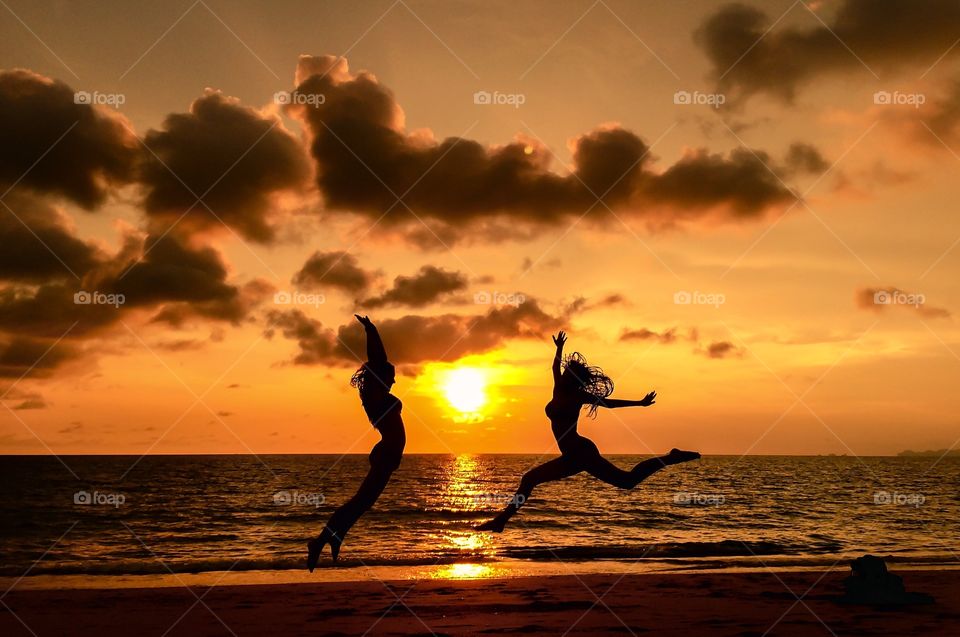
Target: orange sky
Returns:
[781, 351]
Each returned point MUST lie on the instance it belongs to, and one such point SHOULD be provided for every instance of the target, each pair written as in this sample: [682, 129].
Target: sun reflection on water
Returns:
[462, 476]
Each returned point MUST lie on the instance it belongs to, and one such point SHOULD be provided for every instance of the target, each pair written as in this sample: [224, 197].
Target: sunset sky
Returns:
[751, 209]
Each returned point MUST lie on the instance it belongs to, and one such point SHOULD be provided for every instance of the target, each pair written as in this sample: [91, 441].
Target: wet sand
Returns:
[688, 604]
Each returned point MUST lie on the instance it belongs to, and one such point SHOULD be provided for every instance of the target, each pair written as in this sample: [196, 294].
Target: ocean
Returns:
[123, 515]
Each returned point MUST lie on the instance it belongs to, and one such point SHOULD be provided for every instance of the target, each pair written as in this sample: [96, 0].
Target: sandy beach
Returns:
[757, 603]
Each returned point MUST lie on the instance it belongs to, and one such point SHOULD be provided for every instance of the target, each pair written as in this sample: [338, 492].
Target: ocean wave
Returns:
[722, 548]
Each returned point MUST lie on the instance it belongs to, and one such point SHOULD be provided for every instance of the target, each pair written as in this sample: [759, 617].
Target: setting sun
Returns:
[466, 389]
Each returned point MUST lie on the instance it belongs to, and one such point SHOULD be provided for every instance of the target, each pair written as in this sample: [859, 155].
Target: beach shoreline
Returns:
[709, 603]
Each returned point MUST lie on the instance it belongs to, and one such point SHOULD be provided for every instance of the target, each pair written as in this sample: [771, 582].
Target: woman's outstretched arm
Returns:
[376, 353]
[616, 403]
[558, 340]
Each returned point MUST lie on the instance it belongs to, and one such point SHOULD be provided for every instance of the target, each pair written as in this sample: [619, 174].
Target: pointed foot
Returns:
[314, 549]
[676, 456]
[495, 525]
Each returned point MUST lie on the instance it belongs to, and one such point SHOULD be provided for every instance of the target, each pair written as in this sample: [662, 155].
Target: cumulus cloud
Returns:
[889, 35]
[413, 338]
[426, 286]
[162, 275]
[39, 244]
[335, 269]
[233, 157]
[32, 357]
[95, 152]
[366, 159]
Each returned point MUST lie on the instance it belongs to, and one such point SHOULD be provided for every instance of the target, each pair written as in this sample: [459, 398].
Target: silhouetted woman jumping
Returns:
[580, 385]
[373, 381]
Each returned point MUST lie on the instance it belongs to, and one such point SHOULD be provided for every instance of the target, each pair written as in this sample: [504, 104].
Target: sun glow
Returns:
[465, 388]
[470, 390]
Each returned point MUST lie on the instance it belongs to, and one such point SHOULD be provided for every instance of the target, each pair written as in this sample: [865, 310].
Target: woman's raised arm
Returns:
[376, 353]
[558, 340]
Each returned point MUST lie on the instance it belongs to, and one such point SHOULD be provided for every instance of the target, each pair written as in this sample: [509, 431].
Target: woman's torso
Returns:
[386, 418]
[564, 413]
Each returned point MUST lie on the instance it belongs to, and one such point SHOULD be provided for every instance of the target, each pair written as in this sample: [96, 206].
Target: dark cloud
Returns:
[39, 244]
[887, 35]
[232, 156]
[414, 338]
[335, 269]
[879, 299]
[941, 117]
[32, 357]
[95, 151]
[583, 304]
[318, 344]
[426, 286]
[178, 281]
[32, 403]
[805, 158]
[180, 345]
[365, 159]
[644, 334]
[721, 349]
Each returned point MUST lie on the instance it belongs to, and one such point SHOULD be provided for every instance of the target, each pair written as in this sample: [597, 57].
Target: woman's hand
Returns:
[560, 339]
[648, 400]
[364, 320]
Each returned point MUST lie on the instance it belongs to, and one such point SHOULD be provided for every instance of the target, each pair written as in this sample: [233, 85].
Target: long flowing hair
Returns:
[369, 381]
[590, 378]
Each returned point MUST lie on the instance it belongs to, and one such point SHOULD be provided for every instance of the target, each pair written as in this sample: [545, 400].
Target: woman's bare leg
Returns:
[602, 469]
[348, 514]
[556, 469]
